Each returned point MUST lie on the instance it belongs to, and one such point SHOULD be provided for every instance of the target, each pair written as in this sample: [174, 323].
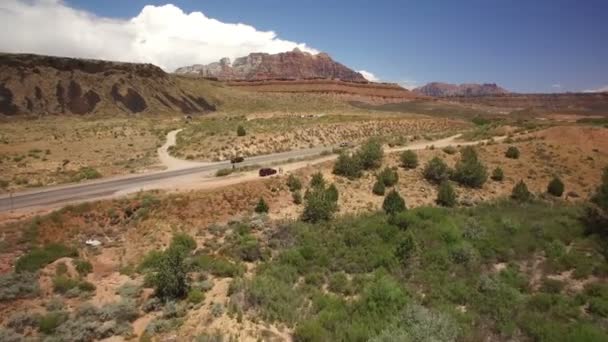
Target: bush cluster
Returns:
[261, 207]
[436, 171]
[409, 159]
[521, 193]
[498, 174]
[447, 195]
[321, 201]
[469, 170]
[393, 203]
[39, 257]
[555, 187]
[512, 152]
[368, 157]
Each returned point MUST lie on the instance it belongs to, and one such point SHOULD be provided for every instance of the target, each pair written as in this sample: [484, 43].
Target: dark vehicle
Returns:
[235, 160]
[267, 172]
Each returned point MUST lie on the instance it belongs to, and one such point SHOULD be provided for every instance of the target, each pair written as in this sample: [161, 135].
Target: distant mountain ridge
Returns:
[40, 85]
[292, 65]
[438, 89]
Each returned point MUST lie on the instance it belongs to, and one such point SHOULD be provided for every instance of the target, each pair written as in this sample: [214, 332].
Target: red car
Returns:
[267, 172]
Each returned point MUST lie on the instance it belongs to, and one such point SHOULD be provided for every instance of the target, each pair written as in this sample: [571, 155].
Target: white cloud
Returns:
[598, 90]
[408, 84]
[162, 35]
[556, 86]
[369, 76]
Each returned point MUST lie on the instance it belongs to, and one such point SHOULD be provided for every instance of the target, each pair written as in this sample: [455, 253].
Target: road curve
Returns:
[98, 189]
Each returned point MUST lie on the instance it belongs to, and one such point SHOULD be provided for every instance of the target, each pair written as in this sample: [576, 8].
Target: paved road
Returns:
[101, 188]
[98, 189]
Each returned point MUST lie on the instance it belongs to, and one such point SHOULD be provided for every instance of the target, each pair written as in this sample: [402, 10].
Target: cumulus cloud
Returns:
[598, 90]
[369, 76]
[162, 35]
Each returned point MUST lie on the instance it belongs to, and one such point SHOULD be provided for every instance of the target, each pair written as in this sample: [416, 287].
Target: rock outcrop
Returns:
[293, 65]
[437, 89]
[40, 85]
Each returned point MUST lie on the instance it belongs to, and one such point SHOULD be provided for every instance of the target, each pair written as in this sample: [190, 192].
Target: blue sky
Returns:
[523, 45]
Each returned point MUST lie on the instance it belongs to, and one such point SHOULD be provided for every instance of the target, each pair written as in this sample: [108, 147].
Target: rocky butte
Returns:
[437, 89]
[292, 65]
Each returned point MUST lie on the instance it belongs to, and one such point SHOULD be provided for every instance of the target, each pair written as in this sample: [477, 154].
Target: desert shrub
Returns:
[600, 197]
[405, 249]
[436, 171]
[83, 267]
[521, 193]
[18, 285]
[63, 283]
[418, 323]
[218, 266]
[370, 154]
[469, 170]
[248, 248]
[276, 299]
[150, 261]
[296, 197]
[261, 207]
[596, 216]
[446, 195]
[553, 286]
[22, 320]
[320, 205]
[55, 304]
[37, 258]
[393, 203]
[71, 287]
[217, 310]
[61, 268]
[378, 188]
[9, 335]
[339, 283]
[293, 183]
[49, 322]
[598, 306]
[129, 291]
[85, 173]
[409, 159]
[449, 150]
[332, 193]
[152, 304]
[162, 325]
[512, 152]
[169, 276]
[317, 180]
[388, 176]
[123, 311]
[183, 241]
[195, 296]
[555, 187]
[348, 166]
[498, 175]
[223, 172]
[240, 131]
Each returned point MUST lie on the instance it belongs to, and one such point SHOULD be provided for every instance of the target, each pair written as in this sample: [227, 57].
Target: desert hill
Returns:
[292, 65]
[39, 85]
[437, 89]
